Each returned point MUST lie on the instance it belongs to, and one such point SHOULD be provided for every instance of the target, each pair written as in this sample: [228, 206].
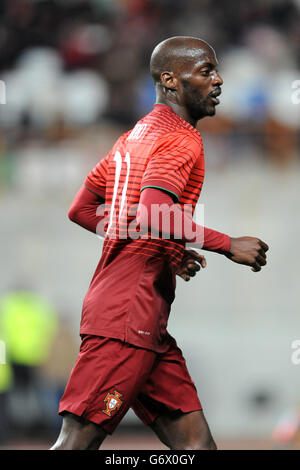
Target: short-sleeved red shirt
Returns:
[132, 289]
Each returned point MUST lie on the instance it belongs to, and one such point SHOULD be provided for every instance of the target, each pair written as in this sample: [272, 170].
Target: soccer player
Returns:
[127, 358]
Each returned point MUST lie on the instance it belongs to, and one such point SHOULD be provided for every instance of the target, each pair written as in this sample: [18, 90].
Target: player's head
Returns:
[184, 70]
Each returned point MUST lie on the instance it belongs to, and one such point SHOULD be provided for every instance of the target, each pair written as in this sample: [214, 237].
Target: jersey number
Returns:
[119, 163]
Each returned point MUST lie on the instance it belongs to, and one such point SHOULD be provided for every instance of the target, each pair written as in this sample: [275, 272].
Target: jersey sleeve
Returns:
[171, 163]
[96, 179]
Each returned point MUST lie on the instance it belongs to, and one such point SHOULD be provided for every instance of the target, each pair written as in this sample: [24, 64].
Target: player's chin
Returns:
[211, 110]
[207, 112]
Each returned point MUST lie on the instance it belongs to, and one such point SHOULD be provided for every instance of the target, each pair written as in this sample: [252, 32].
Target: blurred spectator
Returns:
[28, 325]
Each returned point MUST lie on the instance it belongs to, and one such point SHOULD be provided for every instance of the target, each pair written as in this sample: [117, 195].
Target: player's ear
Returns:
[169, 80]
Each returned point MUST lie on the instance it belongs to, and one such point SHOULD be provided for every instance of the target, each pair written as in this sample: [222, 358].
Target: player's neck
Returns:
[177, 108]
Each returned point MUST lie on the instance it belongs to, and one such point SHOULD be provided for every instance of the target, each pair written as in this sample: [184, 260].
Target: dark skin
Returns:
[186, 77]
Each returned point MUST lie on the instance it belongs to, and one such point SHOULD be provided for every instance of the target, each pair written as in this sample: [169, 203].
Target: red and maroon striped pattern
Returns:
[166, 153]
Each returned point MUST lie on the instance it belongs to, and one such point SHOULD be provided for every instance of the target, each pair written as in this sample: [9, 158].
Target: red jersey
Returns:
[132, 289]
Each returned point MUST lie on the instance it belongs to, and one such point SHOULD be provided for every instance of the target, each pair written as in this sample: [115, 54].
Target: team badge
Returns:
[113, 402]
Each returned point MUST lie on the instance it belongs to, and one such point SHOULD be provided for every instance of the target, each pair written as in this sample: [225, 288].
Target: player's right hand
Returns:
[249, 251]
[191, 264]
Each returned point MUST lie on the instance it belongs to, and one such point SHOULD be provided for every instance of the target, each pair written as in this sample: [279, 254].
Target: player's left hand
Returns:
[191, 264]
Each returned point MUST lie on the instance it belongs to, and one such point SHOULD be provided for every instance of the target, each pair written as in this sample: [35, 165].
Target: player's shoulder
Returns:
[174, 128]
[181, 139]
[183, 135]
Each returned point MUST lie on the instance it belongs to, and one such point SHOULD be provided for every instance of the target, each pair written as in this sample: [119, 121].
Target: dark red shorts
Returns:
[111, 376]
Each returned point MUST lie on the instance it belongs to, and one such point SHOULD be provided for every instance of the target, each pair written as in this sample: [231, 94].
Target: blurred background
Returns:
[74, 76]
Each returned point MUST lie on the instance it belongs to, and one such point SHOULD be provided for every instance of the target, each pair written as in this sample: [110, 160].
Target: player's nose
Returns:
[218, 80]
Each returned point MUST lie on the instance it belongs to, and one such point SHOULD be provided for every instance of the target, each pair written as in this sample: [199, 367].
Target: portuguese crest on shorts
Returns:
[113, 402]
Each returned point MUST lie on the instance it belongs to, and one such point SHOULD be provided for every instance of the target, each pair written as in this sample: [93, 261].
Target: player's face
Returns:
[201, 85]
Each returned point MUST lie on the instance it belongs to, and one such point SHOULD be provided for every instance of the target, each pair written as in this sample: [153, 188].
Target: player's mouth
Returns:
[214, 94]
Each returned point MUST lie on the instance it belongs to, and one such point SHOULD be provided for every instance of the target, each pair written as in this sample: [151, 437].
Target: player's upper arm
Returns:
[171, 163]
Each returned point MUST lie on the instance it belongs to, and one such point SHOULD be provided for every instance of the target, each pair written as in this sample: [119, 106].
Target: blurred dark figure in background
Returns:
[28, 325]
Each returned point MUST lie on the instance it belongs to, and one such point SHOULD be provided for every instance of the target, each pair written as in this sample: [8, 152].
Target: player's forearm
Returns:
[84, 208]
[180, 225]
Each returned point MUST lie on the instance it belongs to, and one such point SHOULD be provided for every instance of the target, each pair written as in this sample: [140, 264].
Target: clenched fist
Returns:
[249, 251]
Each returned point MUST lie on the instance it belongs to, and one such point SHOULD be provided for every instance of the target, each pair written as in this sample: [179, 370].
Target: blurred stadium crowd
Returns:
[68, 64]
[76, 74]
